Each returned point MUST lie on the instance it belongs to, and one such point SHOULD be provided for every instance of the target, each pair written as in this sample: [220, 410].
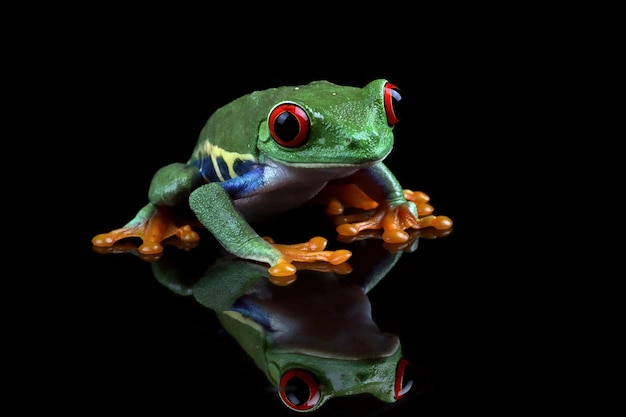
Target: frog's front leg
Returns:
[215, 209]
[396, 209]
[156, 221]
[152, 224]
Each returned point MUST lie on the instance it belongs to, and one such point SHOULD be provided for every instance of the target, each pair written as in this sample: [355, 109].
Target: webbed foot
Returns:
[152, 225]
[310, 252]
[394, 247]
[394, 220]
[416, 213]
[338, 197]
[421, 200]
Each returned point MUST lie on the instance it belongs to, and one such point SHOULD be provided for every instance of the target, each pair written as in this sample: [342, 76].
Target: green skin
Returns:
[321, 323]
[348, 139]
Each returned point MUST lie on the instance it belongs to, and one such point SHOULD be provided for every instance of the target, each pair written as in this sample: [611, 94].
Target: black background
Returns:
[123, 96]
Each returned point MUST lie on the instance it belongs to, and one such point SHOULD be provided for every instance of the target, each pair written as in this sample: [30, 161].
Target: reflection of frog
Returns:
[315, 339]
[273, 150]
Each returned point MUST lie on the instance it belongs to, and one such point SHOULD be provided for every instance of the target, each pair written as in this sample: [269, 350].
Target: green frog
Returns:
[273, 150]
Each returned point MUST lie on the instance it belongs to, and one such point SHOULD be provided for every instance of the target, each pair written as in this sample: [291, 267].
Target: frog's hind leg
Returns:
[340, 196]
[152, 224]
[394, 219]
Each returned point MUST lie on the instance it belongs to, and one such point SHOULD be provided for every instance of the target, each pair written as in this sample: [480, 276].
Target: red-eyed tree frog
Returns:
[276, 149]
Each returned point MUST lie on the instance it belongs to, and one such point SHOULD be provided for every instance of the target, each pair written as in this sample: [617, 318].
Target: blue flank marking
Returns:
[241, 168]
[249, 179]
[223, 167]
[206, 169]
[252, 311]
[245, 184]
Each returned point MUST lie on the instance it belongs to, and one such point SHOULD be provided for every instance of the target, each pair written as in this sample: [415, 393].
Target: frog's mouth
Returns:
[330, 164]
[337, 161]
[360, 150]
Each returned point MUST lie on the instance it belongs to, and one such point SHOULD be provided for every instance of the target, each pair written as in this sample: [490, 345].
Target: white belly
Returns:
[288, 188]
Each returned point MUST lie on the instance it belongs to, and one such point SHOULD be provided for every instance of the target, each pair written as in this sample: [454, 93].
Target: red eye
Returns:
[392, 99]
[299, 390]
[404, 379]
[289, 125]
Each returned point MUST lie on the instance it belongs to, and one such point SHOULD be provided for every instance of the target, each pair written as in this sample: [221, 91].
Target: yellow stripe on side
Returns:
[229, 158]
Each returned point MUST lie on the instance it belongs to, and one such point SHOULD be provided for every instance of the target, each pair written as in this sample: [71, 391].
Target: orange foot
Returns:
[338, 197]
[309, 252]
[393, 220]
[421, 200]
[409, 246]
[152, 225]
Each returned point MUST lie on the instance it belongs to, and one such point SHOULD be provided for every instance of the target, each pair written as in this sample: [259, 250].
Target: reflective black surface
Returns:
[154, 324]
[121, 340]
[136, 341]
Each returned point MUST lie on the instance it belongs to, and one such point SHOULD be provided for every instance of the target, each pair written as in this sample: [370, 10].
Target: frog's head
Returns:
[323, 124]
[305, 384]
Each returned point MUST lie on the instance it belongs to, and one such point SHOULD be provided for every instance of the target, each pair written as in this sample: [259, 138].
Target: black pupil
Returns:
[286, 126]
[297, 391]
